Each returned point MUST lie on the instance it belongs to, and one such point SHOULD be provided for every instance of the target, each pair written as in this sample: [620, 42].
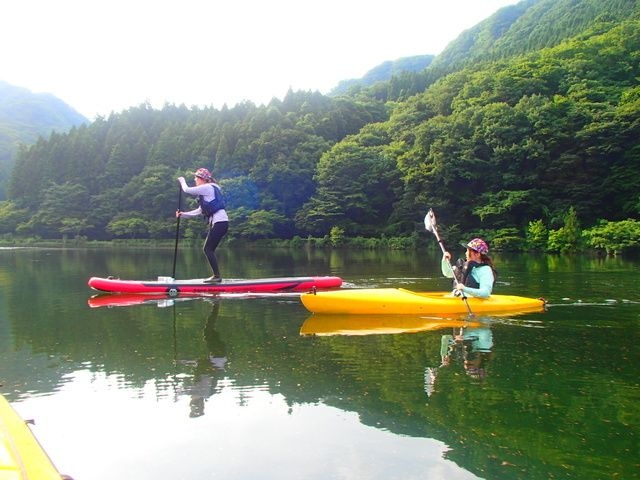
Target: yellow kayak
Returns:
[21, 456]
[328, 325]
[377, 301]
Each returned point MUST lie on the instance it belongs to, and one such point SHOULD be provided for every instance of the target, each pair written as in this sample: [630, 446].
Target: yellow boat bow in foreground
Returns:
[21, 456]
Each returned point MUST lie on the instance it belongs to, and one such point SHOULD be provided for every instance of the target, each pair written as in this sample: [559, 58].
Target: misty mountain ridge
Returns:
[36, 113]
[384, 72]
[25, 116]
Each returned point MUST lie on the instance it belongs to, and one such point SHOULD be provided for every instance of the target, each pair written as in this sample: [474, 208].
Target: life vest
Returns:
[467, 278]
[209, 208]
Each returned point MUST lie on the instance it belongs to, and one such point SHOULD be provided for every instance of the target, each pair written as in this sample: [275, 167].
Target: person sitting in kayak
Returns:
[477, 275]
[217, 221]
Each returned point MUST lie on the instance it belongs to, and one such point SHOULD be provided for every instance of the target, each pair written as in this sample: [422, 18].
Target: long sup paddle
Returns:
[175, 249]
[430, 226]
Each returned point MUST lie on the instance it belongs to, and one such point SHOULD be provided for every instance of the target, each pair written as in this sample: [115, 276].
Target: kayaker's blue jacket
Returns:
[479, 282]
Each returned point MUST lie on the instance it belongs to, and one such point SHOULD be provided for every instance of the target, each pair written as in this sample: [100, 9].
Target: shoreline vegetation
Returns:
[610, 238]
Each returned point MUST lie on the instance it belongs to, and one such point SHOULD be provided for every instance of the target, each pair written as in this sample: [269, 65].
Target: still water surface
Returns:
[255, 387]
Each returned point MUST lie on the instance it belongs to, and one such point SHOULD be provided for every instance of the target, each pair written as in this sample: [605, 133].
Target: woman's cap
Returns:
[203, 173]
[478, 245]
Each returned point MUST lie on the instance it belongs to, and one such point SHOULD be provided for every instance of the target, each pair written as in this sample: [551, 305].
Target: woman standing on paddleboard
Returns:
[211, 205]
[477, 275]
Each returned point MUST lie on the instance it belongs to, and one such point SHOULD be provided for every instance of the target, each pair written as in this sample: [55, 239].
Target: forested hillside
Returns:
[532, 25]
[117, 176]
[518, 144]
[525, 27]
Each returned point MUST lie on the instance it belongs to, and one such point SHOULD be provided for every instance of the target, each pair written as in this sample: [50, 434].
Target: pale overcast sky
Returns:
[103, 56]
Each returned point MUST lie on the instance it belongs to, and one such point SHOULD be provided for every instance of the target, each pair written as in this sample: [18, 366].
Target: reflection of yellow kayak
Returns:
[324, 325]
[21, 456]
[387, 301]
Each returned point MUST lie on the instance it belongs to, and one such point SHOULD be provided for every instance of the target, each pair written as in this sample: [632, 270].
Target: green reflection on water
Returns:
[557, 396]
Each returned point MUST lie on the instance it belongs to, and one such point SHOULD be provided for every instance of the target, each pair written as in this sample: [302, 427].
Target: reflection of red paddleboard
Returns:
[169, 286]
[130, 299]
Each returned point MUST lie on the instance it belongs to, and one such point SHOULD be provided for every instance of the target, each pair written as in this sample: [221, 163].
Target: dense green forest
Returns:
[527, 134]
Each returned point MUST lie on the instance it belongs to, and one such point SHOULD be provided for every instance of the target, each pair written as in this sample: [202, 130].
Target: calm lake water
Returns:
[249, 387]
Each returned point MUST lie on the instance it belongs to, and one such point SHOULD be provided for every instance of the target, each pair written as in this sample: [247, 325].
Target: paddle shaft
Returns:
[435, 232]
[175, 249]
[444, 250]
[434, 229]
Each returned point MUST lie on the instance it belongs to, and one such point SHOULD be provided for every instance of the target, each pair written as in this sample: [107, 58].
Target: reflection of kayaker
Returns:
[471, 346]
[479, 342]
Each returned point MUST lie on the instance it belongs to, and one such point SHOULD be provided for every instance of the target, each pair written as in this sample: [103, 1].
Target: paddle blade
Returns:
[430, 221]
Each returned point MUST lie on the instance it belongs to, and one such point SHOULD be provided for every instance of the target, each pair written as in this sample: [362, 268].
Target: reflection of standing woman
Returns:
[206, 376]
[217, 221]
[215, 345]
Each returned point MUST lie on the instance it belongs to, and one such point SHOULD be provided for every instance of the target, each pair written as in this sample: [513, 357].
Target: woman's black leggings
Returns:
[217, 231]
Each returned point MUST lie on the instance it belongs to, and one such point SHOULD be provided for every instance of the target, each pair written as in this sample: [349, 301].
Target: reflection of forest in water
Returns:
[542, 369]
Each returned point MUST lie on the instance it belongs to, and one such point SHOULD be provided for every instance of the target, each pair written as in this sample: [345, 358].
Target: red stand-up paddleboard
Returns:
[171, 287]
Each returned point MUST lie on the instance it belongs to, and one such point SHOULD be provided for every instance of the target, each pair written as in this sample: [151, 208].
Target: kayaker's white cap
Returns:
[477, 245]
